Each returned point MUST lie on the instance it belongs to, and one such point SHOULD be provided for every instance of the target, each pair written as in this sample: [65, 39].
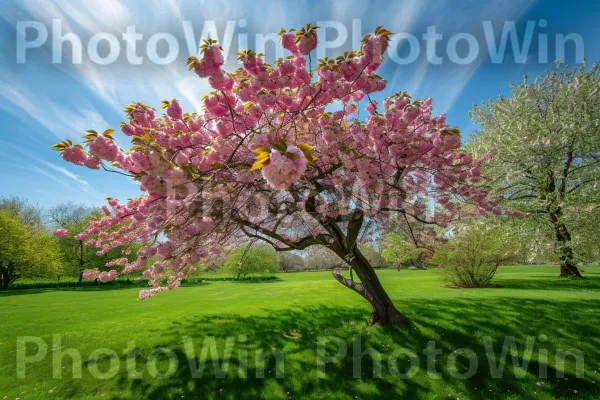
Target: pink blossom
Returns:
[74, 155]
[147, 293]
[90, 274]
[108, 276]
[174, 110]
[307, 43]
[60, 232]
[288, 41]
[104, 148]
[284, 170]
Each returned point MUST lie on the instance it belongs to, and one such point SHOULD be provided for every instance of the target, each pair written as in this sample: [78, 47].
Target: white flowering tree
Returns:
[546, 141]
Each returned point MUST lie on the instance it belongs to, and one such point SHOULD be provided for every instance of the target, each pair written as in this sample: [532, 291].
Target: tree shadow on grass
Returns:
[550, 283]
[453, 324]
[82, 289]
[101, 288]
[90, 287]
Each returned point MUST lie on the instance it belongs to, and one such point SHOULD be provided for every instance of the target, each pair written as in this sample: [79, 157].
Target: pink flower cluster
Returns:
[90, 274]
[285, 169]
[104, 148]
[105, 276]
[60, 232]
[77, 156]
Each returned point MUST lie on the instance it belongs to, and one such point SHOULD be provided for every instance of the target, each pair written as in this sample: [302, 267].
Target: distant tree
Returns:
[290, 262]
[25, 251]
[546, 140]
[256, 259]
[401, 250]
[69, 213]
[372, 255]
[398, 250]
[533, 243]
[320, 258]
[212, 264]
[20, 208]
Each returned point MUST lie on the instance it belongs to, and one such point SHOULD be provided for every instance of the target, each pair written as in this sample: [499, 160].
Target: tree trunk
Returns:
[369, 287]
[80, 263]
[3, 278]
[568, 268]
[7, 275]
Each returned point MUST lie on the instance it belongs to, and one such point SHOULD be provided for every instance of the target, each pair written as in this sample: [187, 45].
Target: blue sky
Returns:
[43, 102]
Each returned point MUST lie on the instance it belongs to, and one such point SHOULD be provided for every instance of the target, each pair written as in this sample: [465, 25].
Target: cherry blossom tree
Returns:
[268, 160]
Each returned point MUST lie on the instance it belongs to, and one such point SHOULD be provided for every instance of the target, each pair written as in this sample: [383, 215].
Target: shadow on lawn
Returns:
[452, 324]
[81, 289]
[550, 283]
[104, 287]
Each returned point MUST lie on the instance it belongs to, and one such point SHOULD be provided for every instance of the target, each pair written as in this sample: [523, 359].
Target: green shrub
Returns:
[472, 256]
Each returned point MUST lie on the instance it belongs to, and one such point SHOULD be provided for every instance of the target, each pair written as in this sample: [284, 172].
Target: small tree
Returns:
[267, 160]
[472, 256]
[546, 138]
[252, 260]
[25, 251]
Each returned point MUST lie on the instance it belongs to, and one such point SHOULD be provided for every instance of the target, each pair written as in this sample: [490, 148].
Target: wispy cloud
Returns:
[47, 174]
[447, 83]
[56, 173]
[80, 183]
[61, 120]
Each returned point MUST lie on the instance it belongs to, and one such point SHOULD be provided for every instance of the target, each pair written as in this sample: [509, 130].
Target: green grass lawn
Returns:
[294, 314]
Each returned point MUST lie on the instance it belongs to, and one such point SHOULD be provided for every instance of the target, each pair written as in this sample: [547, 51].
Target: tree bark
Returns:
[370, 288]
[3, 278]
[7, 275]
[80, 263]
[568, 268]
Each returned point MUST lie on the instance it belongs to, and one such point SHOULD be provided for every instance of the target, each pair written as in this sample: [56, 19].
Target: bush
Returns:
[472, 257]
[246, 260]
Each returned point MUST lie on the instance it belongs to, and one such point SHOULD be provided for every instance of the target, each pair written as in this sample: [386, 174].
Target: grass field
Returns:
[295, 314]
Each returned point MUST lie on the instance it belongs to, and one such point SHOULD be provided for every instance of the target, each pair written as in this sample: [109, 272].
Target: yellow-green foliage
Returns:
[251, 260]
